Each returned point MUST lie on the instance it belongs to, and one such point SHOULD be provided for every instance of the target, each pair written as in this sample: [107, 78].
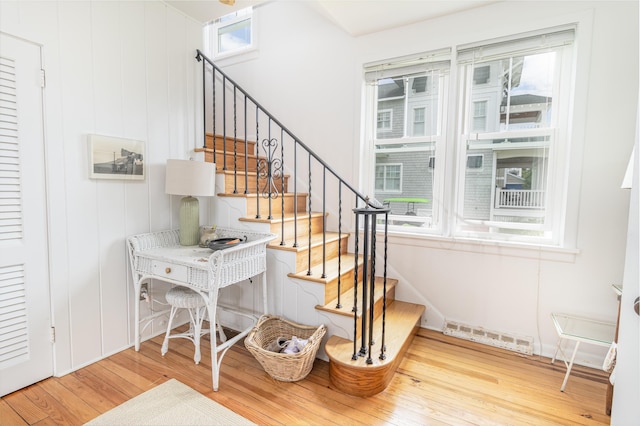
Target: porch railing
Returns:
[519, 199]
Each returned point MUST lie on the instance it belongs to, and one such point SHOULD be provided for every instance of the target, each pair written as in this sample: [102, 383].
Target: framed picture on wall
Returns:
[116, 158]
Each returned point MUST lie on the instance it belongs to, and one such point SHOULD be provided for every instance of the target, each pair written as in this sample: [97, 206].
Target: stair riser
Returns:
[239, 145]
[377, 308]
[367, 382]
[302, 258]
[239, 164]
[356, 377]
[251, 180]
[346, 283]
[276, 205]
[302, 228]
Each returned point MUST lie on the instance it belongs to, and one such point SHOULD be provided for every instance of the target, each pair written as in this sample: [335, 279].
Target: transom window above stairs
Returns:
[231, 34]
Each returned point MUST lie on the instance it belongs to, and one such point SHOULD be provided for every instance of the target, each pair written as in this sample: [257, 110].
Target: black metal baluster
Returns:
[354, 357]
[372, 284]
[324, 222]
[235, 141]
[383, 345]
[224, 123]
[257, 163]
[269, 172]
[246, 149]
[365, 282]
[213, 107]
[339, 304]
[295, 193]
[204, 101]
[309, 215]
[282, 189]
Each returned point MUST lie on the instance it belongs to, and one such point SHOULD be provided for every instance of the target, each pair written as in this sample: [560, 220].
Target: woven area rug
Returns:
[171, 403]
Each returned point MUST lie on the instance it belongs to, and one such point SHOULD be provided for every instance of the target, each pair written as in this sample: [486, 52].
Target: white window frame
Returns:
[385, 128]
[452, 148]
[212, 31]
[423, 122]
[488, 77]
[437, 67]
[555, 208]
[484, 117]
[384, 179]
[475, 169]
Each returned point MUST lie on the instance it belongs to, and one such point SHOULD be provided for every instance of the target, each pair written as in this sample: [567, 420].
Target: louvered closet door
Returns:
[26, 354]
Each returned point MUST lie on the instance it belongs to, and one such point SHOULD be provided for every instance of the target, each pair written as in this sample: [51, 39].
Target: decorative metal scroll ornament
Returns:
[269, 169]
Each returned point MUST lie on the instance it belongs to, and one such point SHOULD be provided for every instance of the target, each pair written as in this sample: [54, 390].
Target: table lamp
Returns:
[191, 179]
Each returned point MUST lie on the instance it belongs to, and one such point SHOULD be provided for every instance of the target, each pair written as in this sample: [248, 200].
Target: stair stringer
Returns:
[313, 295]
[227, 210]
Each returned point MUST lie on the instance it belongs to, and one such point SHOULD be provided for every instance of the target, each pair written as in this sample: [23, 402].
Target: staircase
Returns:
[313, 268]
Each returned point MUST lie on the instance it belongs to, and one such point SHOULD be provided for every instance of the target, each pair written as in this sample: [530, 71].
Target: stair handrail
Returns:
[371, 202]
[271, 168]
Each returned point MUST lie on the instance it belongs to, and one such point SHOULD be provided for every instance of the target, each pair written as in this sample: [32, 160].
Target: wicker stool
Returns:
[184, 298]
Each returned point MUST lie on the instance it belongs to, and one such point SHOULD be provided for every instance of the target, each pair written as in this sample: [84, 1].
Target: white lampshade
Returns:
[192, 179]
[188, 177]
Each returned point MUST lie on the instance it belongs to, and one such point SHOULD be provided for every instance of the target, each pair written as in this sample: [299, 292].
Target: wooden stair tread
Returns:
[303, 243]
[356, 377]
[346, 298]
[347, 263]
[266, 200]
[401, 317]
[288, 217]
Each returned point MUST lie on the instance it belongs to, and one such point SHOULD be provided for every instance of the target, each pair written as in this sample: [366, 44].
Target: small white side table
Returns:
[580, 330]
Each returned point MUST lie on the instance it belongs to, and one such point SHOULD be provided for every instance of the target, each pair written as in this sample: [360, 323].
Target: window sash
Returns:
[219, 33]
[508, 46]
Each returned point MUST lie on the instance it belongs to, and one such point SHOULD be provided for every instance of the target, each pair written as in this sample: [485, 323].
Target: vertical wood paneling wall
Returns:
[123, 69]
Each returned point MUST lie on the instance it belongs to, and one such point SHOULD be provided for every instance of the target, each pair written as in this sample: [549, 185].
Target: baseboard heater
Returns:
[520, 344]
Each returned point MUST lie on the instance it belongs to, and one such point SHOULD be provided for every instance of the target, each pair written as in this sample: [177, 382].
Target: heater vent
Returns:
[520, 344]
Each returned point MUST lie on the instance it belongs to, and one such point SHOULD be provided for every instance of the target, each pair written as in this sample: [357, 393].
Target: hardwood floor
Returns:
[441, 381]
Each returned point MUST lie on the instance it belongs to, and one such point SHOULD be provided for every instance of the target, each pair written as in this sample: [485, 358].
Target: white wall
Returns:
[123, 69]
[308, 73]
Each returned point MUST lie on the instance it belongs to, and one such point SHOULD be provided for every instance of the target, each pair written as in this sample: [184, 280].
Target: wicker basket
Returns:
[281, 366]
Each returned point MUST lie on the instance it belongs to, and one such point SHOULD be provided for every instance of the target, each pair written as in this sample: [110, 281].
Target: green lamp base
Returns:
[189, 221]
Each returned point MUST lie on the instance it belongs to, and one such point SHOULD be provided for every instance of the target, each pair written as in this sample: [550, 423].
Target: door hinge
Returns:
[43, 81]
[53, 335]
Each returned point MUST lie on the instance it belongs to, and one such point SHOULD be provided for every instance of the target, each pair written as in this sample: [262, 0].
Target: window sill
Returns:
[497, 248]
[237, 57]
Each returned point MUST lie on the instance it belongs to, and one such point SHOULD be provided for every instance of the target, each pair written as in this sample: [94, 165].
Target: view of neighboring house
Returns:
[508, 135]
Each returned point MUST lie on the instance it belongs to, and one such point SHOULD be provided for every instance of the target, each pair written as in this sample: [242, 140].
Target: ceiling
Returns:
[357, 17]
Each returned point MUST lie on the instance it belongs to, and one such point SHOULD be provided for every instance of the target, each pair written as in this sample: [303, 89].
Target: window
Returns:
[411, 97]
[231, 34]
[389, 177]
[419, 84]
[384, 119]
[481, 74]
[418, 121]
[510, 146]
[479, 116]
[474, 161]
[525, 117]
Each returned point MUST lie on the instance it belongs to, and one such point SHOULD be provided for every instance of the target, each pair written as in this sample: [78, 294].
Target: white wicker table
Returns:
[160, 256]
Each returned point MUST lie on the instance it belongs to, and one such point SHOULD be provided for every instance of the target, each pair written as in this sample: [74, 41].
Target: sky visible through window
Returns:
[537, 75]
